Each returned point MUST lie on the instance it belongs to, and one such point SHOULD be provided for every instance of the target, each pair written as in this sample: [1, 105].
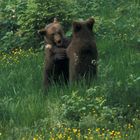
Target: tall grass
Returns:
[25, 110]
[108, 108]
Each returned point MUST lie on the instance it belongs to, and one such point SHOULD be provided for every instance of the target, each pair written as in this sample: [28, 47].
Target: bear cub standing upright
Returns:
[82, 51]
[56, 61]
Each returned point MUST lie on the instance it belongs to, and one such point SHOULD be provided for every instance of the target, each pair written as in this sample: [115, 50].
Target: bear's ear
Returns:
[90, 23]
[55, 20]
[76, 26]
[42, 31]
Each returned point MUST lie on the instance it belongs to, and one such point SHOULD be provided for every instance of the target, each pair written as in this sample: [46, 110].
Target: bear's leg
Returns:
[72, 72]
[49, 64]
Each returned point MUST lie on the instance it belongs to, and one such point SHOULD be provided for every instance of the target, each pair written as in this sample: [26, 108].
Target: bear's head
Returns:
[83, 26]
[53, 33]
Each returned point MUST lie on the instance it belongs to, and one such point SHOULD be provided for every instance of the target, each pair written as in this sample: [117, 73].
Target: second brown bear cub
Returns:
[82, 51]
[56, 61]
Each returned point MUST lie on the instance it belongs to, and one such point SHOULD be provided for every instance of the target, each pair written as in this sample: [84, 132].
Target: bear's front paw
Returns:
[48, 46]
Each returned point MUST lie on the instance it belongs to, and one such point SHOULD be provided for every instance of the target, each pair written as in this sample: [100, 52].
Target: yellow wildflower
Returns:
[60, 136]
[35, 138]
[97, 129]
[69, 138]
[74, 130]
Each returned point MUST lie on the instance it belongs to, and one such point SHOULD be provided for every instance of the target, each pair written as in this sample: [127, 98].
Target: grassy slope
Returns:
[25, 111]
[24, 106]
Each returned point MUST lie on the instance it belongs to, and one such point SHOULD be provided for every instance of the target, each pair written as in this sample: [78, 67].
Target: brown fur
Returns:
[56, 61]
[82, 51]
[53, 33]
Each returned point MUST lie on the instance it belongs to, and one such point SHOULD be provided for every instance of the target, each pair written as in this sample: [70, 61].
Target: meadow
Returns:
[107, 109]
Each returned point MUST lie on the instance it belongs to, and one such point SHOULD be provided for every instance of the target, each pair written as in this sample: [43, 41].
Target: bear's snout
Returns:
[58, 40]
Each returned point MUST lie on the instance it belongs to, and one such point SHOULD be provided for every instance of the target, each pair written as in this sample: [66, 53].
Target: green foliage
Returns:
[75, 106]
[110, 103]
[20, 20]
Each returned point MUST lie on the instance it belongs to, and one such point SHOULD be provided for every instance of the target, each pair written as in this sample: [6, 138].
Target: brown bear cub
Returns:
[56, 61]
[82, 51]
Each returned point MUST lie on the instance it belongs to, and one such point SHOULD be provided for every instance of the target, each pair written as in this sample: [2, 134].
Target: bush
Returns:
[20, 20]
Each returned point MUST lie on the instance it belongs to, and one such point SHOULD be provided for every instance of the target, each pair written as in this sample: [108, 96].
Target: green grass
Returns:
[25, 111]
[107, 109]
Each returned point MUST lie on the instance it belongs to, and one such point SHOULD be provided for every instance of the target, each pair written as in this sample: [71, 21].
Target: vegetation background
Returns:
[107, 109]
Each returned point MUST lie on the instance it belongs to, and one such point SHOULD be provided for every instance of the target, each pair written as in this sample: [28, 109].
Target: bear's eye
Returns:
[52, 34]
[59, 32]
